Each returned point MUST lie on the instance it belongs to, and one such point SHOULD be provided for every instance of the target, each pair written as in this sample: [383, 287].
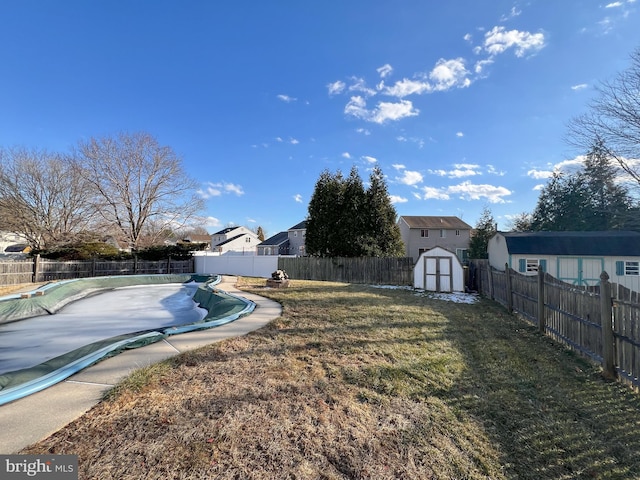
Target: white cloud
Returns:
[298, 198]
[410, 177]
[459, 170]
[498, 40]
[398, 166]
[217, 189]
[471, 191]
[286, 98]
[369, 159]
[480, 65]
[393, 111]
[459, 134]
[294, 141]
[279, 139]
[210, 222]
[346, 155]
[512, 14]
[539, 174]
[538, 187]
[580, 86]
[385, 70]
[405, 87]
[613, 5]
[431, 193]
[492, 170]
[359, 85]
[357, 107]
[363, 131]
[468, 37]
[336, 87]
[397, 199]
[449, 73]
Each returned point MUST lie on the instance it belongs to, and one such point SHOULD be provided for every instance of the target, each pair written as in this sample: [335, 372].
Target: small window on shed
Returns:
[532, 264]
[632, 268]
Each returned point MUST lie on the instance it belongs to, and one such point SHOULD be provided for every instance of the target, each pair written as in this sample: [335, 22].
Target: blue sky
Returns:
[462, 104]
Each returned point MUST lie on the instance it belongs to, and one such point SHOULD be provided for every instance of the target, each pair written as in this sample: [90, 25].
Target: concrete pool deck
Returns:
[35, 417]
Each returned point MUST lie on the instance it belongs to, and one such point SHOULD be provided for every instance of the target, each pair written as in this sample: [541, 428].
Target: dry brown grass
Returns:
[354, 382]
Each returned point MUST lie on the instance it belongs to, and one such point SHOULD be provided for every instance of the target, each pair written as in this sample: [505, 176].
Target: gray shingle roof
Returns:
[435, 222]
[612, 243]
[277, 239]
[300, 226]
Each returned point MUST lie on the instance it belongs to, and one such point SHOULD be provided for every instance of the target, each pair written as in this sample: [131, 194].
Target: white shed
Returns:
[438, 270]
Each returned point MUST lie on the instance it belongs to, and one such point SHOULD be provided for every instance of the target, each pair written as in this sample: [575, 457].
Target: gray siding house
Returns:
[290, 242]
[422, 233]
[577, 258]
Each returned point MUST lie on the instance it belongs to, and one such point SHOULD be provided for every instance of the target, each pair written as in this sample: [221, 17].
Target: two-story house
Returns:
[238, 240]
[422, 233]
[290, 242]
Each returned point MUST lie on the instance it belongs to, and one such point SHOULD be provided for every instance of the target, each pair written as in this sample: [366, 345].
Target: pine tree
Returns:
[484, 230]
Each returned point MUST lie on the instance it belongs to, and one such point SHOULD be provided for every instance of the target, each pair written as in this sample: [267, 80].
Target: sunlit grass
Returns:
[360, 382]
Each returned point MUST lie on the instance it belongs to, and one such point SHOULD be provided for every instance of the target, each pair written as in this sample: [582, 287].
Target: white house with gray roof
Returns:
[235, 240]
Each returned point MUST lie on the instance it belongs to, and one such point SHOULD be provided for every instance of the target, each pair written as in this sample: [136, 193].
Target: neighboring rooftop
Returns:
[435, 222]
[277, 239]
[610, 243]
[300, 226]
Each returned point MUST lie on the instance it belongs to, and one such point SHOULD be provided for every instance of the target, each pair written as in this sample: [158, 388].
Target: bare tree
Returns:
[43, 197]
[613, 120]
[140, 187]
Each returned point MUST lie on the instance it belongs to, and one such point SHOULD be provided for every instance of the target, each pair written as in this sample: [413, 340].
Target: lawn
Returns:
[358, 382]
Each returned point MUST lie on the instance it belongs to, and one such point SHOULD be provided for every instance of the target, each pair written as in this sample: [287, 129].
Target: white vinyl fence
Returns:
[244, 265]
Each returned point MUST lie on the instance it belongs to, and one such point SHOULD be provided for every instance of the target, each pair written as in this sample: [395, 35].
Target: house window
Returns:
[424, 233]
[247, 240]
[461, 253]
[442, 233]
[295, 234]
[457, 233]
[632, 268]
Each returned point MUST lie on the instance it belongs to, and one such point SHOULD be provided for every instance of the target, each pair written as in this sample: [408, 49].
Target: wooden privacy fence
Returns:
[602, 323]
[42, 270]
[372, 270]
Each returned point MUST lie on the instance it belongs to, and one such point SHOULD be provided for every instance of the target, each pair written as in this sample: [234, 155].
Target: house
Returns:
[238, 240]
[290, 242]
[577, 258]
[197, 239]
[422, 233]
[10, 239]
[297, 235]
[276, 245]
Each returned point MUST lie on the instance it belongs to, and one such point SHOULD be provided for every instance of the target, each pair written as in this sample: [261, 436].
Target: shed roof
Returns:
[610, 243]
[276, 240]
[435, 222]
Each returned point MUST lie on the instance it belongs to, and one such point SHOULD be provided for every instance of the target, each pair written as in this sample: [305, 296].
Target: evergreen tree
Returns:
[345, 220]
[587, 200]
[484, 230]
[324, 214]
[380, 216]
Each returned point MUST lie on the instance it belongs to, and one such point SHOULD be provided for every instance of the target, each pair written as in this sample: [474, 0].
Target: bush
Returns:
[84, 251]
[176, 252]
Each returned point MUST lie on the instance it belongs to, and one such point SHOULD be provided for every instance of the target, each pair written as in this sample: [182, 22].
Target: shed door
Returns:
[438, 274]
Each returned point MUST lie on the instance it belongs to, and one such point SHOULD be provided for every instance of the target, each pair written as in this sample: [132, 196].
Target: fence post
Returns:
[509, 296]
[541, 317]
[93, 267]
[169, 265]
[490, 278]
[36, 268]
[606, 314]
